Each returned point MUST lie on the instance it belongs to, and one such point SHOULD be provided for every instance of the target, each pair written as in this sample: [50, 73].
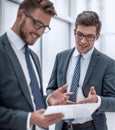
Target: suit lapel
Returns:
[18, 69]
[92, 64]
[66, 63]
[37, 64]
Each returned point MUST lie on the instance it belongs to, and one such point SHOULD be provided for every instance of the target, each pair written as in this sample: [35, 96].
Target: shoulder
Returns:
[66, 52]
[103, 57]
[3, 42]
[3, 37]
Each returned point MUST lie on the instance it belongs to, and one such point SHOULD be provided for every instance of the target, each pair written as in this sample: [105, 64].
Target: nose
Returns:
[83, 40]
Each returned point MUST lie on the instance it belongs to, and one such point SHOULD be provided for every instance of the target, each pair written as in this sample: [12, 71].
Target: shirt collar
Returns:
[15, 40]
[86, 55]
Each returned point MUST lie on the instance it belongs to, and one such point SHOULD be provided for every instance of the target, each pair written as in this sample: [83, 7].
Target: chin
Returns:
[82, 52]
[30, 44]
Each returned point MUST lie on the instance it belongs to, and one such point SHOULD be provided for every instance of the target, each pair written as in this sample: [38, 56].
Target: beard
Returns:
[26, 36]
[22, 33]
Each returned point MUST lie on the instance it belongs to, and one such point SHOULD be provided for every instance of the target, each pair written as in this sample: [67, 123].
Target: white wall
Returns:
[53, 42]
[108, 32]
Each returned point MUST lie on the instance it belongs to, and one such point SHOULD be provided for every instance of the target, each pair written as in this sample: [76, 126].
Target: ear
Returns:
[20, 15]
[97, 36]
[74, 31]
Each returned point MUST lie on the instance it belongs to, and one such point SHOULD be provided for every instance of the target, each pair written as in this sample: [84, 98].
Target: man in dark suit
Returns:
[18, 110]
[97, 75]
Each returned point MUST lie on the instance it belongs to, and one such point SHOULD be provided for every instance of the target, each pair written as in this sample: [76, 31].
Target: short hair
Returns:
[89, 18]
[45, 5]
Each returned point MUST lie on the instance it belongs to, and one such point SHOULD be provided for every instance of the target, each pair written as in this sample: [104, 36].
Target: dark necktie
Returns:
[75, 79]
[74, 86]
[38, 98]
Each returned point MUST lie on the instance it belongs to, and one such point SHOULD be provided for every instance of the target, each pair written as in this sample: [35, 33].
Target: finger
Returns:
[63, 88]
[92, 99]
[41, 110]
[92, 90]
[69, 94]
[70, 102]
[53, 118]
[86, 100]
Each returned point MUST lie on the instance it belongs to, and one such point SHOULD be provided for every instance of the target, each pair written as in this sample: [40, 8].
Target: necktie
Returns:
[75, 79]
[74, 86]
[38, 98]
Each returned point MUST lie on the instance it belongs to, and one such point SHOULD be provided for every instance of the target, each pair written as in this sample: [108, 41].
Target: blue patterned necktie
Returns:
[75, 85]
[75, 79]
[38, 98]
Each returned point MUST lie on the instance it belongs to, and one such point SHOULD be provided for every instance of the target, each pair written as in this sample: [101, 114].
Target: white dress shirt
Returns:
[84, 66]
[18, 46]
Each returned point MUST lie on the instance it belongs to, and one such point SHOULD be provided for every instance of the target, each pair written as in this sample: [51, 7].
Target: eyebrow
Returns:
[86, 34]
[28, 14]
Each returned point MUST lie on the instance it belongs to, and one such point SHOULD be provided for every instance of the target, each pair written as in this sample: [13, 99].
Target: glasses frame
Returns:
[39, 1]
[38, 24]
[89, 37]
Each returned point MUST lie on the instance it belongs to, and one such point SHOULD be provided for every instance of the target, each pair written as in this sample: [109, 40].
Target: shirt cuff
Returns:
[29, 127]
[47, 100]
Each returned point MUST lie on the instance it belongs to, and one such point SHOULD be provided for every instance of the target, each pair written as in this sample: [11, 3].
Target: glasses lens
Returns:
[90, 38]
[40, 26]
[38, 1]
[79, 35]
[47, 29]
[37, 24]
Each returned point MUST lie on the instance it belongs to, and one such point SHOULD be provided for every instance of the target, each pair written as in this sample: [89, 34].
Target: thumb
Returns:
[41, 110]
[92, 91]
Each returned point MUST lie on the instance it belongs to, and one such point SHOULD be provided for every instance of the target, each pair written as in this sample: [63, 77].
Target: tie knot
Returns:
[26, 48]
[79, 56]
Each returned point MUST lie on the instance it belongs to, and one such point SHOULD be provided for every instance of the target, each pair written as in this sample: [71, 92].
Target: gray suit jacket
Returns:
[100, 73]
[15, 100]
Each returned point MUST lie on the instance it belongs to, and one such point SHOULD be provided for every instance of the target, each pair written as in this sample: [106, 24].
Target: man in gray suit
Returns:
[97, 75]
[18, 109]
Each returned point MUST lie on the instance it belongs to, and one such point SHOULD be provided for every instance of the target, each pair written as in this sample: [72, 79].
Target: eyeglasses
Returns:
[38, 24]
[39, 1]
[89, 37]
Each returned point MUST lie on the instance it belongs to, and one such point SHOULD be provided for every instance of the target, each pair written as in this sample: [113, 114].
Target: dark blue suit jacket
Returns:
[15, 100]
[100, 73]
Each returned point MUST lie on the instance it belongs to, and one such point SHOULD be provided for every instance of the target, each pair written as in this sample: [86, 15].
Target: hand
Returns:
[58, 97]
[38, 118]
[92, 97]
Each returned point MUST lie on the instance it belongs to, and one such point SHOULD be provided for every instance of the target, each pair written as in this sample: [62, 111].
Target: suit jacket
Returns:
[15, 100]
[100, 73]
